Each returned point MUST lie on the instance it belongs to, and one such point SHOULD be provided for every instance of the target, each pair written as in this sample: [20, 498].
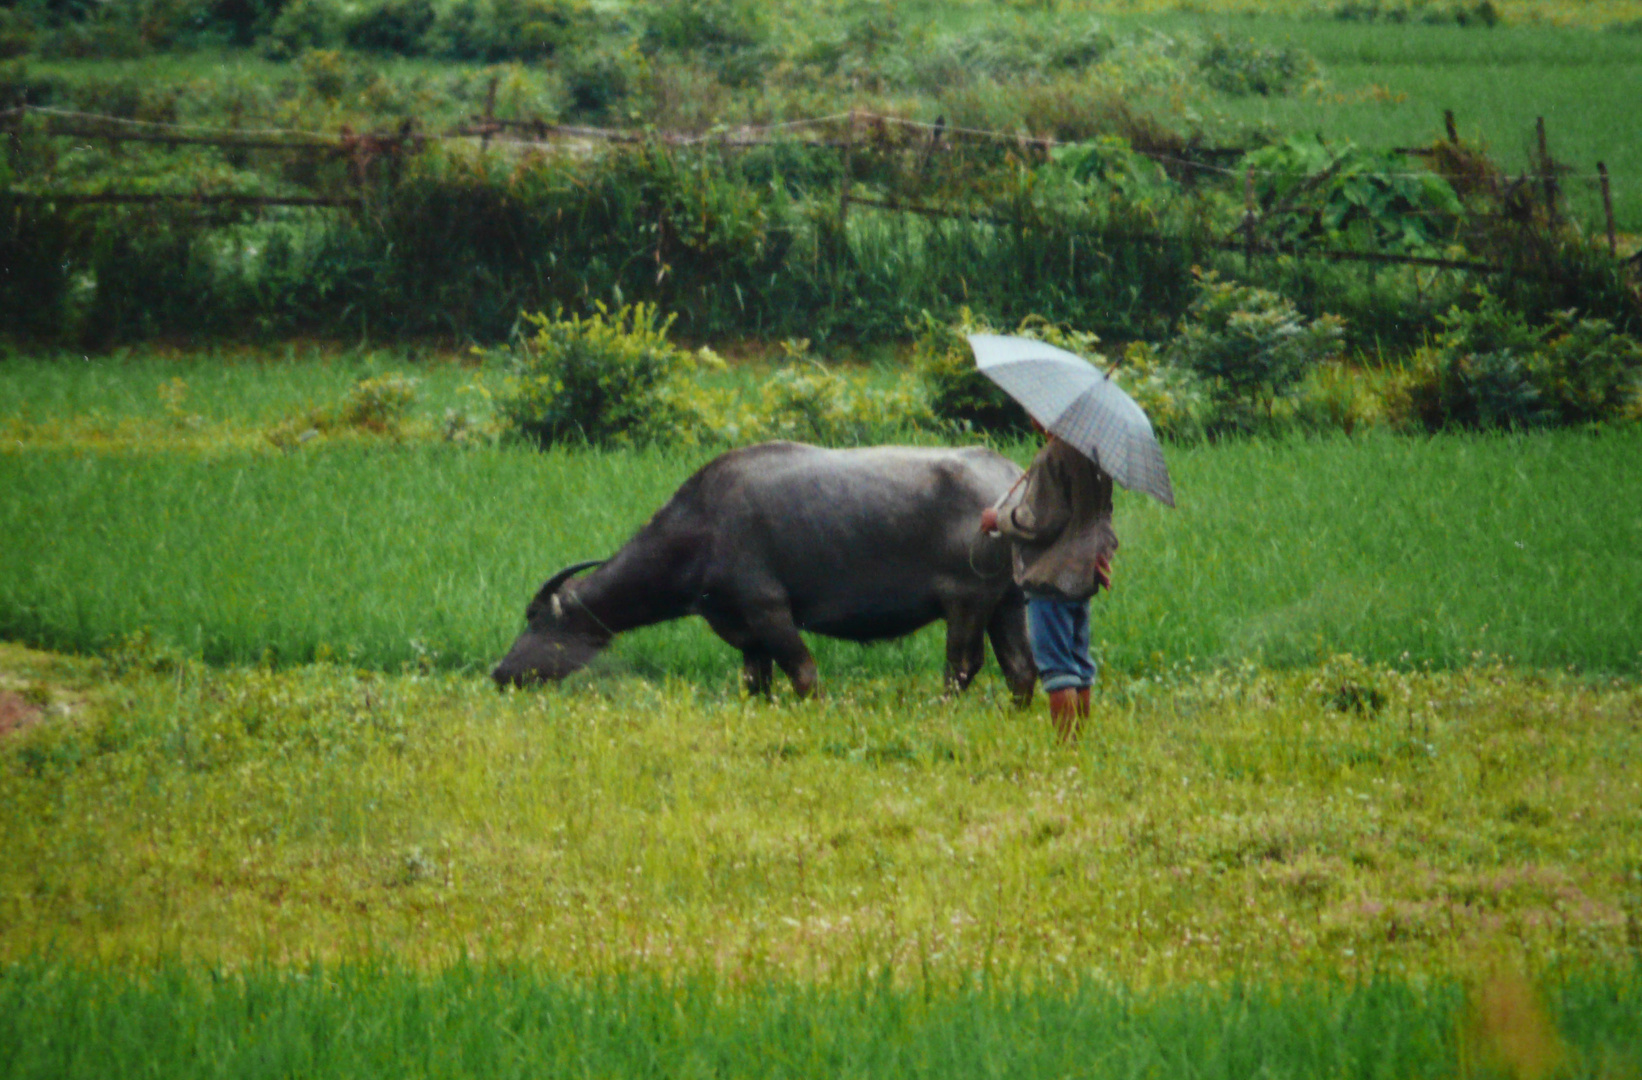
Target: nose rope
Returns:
[979, 536]
[982, 574]
[590, 613]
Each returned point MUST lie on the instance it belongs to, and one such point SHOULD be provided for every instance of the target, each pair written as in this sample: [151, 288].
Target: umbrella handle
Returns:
[1005, 496]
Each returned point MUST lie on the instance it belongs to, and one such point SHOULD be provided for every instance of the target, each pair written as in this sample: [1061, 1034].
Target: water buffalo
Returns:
[772, 539]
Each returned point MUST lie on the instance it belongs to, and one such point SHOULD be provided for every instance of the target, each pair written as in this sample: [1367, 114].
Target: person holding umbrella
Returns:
[1060, 521]
[1059, 514]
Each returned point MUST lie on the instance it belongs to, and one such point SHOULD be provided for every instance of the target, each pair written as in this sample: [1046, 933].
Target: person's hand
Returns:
[1103, 573]
[989, 520]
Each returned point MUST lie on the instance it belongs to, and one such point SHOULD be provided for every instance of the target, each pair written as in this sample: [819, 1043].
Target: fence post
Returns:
[1448, 125]
[1248, 219]
[844, 182]
[490, 113]
[1547, 168]
[1607, 207]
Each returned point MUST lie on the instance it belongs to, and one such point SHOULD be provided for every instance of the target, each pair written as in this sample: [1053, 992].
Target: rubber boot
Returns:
[1063, 712]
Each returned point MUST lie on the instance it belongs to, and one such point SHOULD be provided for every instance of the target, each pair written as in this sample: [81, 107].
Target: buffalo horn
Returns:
[553, 583]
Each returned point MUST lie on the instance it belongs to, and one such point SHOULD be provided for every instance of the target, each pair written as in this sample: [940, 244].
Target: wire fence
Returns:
[844, 131]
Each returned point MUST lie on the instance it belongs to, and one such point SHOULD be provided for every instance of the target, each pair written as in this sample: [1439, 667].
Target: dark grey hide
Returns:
[772, 539]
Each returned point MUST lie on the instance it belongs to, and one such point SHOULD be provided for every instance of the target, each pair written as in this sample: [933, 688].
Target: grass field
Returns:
[276, 822]
[478, 1021]
[1388, 85]
[1430, 551]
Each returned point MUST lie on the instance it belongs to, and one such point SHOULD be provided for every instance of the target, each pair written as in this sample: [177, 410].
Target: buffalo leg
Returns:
[1013, 647]
[757, 671]
[965, 647]
[777, 636]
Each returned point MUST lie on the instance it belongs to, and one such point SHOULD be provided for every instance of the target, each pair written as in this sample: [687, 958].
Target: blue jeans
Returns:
[1060, 641]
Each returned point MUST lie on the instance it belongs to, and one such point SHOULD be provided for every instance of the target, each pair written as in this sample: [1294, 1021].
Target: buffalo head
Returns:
[560, 637]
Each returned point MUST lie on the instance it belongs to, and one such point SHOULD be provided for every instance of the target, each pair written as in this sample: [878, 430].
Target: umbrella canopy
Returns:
[1081, 404]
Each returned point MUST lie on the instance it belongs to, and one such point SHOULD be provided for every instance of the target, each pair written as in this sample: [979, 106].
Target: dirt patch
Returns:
[17, 713]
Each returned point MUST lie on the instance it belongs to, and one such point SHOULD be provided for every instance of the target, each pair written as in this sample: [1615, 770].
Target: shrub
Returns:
[325, 73]
[392, 26]
[1249, 344]
[1344, 195]
[17, 33]
[528, 29]
[1240, 66]
[808, 402]
[380, 403]
[1585, 371]
[1490, 368]
[714, 27]
[607, 379]
[303, 25]
[1173, 397]
[728, 36]
[37, 245]
[599, 81]
[958, 393]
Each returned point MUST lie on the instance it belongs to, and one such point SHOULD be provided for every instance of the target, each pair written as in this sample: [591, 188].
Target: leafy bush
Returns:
[35, 247]
[1368, 200]
[495, 30]
[17, 32]
[303, 25]
[1431, 12]
[1241, 66]
[378, 405]
[599, 81]
[808, 402]
[958, 392]
[1173, 397]
[1490, 368]
[607, 379]
[1250, 345]
[713, 27]
[392, 26]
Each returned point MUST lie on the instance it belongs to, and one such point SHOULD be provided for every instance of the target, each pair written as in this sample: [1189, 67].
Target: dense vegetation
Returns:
[1360, 792]
[251, 522]
[1095, 195]
[474, 1021]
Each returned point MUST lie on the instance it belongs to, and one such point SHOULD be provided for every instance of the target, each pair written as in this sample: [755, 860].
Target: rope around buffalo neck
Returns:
[590, 613]
[983, 575]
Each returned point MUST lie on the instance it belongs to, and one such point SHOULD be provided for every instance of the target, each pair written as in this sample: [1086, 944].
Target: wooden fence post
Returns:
[1607, 207]
[1547, 168]
[490, 112]
[844, 182]
[1248, 218]
[1448, 125]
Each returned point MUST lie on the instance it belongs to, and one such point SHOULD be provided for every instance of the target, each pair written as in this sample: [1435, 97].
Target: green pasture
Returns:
[1359, 795]
[1406, 551]
[1387, 85]
[479, 1021]
[72, 397]
[1343, 819]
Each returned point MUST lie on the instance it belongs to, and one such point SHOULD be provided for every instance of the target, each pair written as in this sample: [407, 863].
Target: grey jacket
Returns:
[1060, 519]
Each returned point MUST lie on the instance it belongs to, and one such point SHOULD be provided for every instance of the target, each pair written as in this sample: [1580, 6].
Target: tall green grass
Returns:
[1388, 84]
[251, 388]
[475, 1021]
[1404, 551]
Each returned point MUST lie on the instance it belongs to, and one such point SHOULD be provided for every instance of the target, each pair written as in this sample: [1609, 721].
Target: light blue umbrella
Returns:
[1080, 403]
